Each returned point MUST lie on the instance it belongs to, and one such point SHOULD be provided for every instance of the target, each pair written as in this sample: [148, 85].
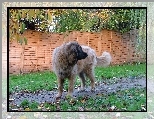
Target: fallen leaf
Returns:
[124, 109]
[27, 109]
[47, 108]
[112, 108]
[99, 94]
[83, 100]
[143, 109]
[88, 109]
[72, 101]
[39, 107]
[80, 109]
[68, 97]
[42, 105]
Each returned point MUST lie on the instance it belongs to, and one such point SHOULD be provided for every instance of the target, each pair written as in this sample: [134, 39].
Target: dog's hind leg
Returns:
[60, 87]
[82, 78]
[90, 75]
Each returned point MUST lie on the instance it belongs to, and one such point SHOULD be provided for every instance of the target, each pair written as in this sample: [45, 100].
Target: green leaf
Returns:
[49, 17]
[25, 40]
[20, 41]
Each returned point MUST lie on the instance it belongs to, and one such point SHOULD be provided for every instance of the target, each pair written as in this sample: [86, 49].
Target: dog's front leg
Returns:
[71, 86]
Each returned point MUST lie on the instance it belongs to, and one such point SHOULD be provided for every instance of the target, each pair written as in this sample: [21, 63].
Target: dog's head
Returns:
[75, 52]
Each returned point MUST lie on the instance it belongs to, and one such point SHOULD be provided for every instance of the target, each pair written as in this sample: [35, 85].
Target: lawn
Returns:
[125, 100]
[47, 80]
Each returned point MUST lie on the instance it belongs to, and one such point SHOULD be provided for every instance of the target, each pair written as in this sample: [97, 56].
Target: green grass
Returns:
[32, 81]
[47, 80]
[119, 71]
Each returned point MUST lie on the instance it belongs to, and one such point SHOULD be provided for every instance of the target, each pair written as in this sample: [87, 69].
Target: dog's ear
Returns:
[71, 51]
[71, 47]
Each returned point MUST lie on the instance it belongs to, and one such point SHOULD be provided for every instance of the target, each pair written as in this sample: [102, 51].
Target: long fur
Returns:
[65, 64]
[104, 60]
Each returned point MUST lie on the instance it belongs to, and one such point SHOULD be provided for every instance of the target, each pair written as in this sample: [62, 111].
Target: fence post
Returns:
[110, 47]
[22, 58]
[111, 40]
[36, 50]
[88, 39]
[77, 33]
[100, 44]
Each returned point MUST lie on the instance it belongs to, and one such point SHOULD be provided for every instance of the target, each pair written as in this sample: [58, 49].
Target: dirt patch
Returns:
[104, 87]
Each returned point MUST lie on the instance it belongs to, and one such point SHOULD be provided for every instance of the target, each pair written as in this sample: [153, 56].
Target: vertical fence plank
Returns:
[22, 58]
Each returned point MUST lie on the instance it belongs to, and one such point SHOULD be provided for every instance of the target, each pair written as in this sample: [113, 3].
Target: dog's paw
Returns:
[81, 90]
[72, 101]
[93, 90]
[69, 96]
[58, 96]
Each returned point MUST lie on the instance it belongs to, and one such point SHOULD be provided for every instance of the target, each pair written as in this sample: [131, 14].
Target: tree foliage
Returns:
[95, 20]
[124, 20]
[81, 19]
[34, 19]
[62, 20]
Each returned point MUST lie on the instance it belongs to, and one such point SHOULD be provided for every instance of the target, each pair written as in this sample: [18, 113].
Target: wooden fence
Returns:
[36, 55]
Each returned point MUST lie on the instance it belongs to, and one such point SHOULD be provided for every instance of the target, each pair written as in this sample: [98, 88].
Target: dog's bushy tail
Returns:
[104, 60]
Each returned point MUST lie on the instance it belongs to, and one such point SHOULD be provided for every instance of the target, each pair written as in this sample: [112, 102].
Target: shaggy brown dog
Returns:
[71, 59]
